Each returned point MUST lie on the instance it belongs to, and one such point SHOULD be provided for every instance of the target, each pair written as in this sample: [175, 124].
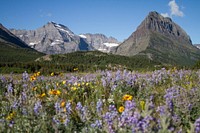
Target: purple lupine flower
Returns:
[180, 131]
[10, 88]
[113, 87]
[108, 76]
[66, 121]
[24, 96]
[83, 113]
[189, 106]
[99, 105]
[171, 93]
[129, 105]
[197, 125]
[79, 106]
[3, 79]
[118, 75]
[37, 107]
[103, 82]
[15, 105]
[141, 125]
[24, 111]
[161, 110]
[68, 107]
[25, 86]
[11, 123]
[56, 121]
[57, 106]
[134, 119]
[25, 76]
[109, 116]
[176, 118]
[112, 108]
[98, 124]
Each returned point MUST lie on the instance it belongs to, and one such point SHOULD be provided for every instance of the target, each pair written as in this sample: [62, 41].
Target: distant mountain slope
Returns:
[100, 42]
[52, 38]
[160, 39]
[7, 37]
[12, 49]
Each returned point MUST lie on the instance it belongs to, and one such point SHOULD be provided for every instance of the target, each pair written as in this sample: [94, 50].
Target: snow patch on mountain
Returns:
[111, 44]
[82, 36]
[34, 43]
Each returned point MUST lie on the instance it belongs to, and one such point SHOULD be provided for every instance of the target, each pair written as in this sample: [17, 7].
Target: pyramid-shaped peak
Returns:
[155, 15]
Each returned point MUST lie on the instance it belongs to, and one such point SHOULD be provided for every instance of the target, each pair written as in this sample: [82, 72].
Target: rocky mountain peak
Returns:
[155, 22]
[52, 38]
[160, 38]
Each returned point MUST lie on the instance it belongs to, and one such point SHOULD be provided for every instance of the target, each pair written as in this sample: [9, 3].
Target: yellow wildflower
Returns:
[11, 116]
[32, 78]
[64, 110]
[64, 82]
[38, 74]
[127, 97]
[121, 109]
[34, 88]
[57, 84]
[79, 84]
[62, 104]
[142, 104]
[42, 95]
[87, 84]
[52, 74]
[73, 88]
[55, 92]
[75, 69]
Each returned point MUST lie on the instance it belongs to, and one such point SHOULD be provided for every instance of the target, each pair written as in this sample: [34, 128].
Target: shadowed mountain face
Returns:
[52, 38]
[160, 39]
[7, 37]
[12, 49]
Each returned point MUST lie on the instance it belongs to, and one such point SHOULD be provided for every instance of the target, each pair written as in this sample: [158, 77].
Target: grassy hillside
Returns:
[169, 51]
[82, 62]
[12, 53]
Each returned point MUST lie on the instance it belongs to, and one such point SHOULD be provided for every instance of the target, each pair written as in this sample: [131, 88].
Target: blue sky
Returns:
[117, 18]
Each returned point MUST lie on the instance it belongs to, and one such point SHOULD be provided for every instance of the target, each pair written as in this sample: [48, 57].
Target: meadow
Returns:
[163, 101]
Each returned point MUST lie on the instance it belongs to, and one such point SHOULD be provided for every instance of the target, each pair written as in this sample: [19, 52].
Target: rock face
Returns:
[160, 39]
[7, 37]
[100, 42]
[52, 38]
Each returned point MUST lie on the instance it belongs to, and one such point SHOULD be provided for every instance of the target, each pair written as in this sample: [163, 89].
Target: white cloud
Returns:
[165, 15]
[174, 8]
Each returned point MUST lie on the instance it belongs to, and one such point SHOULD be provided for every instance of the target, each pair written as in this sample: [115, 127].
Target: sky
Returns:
[116, 18]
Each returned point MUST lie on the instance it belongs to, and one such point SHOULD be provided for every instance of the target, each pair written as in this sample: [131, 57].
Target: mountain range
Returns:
[55, 38]
[157, 37]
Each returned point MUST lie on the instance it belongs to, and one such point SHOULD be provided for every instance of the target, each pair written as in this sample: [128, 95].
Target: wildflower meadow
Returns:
[121, 101]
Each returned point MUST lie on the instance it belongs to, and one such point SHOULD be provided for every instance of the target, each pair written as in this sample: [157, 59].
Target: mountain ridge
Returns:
[54, 38]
